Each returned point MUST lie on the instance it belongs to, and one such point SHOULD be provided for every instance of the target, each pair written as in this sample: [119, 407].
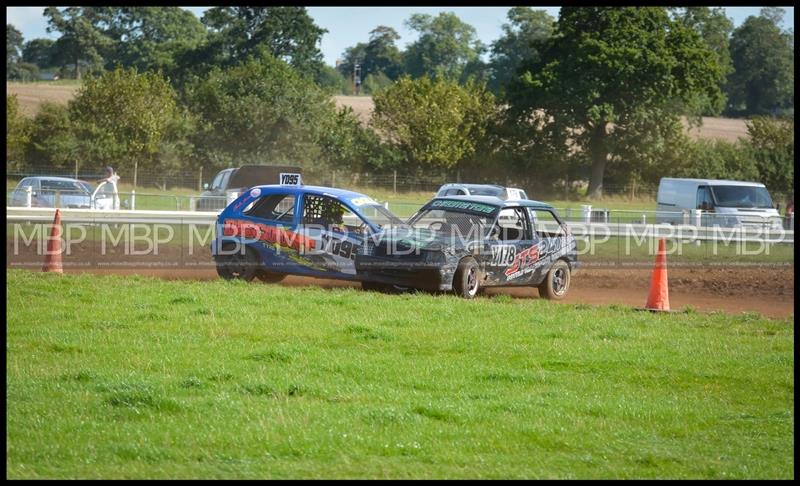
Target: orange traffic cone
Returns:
[658, 299]
[52, 259]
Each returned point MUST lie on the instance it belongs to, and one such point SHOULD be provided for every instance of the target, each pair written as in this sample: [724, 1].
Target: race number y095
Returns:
[289, 179]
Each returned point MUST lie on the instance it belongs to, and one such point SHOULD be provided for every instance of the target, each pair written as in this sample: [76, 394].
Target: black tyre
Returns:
[238, 266]
[556, 284]
[465, 281]
[270, 277]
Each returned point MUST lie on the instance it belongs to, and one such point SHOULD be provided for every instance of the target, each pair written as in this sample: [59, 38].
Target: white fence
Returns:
[623, 226]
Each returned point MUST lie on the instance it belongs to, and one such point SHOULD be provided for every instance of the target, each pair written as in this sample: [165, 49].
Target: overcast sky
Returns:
[350, 25]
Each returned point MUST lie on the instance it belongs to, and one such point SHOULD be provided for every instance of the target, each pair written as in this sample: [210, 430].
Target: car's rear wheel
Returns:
[465, 281]
[270, 277]
[556, 283]
[238, 265]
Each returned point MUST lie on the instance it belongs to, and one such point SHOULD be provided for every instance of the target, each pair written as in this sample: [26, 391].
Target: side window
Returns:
[331, 214]
[545, 223]
[704, 200]
[275, 207]
[225, 177]
[217, 182]
[512, 225]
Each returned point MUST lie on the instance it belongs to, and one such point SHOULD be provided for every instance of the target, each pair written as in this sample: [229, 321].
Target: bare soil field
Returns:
[32, 95]
[768, 290]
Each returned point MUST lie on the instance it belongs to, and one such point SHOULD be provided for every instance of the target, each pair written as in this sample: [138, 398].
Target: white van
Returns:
[721, 202]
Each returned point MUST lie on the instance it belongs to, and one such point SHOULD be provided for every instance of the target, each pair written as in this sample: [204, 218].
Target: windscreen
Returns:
[448, 217]
[379, 215]
[485, 191]
[65, 186]
[742, 196]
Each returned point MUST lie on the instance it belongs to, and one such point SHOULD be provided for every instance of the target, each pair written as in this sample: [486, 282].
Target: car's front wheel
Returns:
[243, 266]
[465, 282]
[556, 283]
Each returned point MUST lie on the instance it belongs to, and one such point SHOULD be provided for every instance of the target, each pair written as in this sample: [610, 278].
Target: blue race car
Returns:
[276, 230]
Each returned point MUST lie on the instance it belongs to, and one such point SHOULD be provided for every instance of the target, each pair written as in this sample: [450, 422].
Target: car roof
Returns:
[471, 186]
[49, 178]
[717, 182]
[496, 201]
[316, 190]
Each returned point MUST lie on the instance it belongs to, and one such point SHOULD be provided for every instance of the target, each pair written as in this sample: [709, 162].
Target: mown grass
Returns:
[140, 378]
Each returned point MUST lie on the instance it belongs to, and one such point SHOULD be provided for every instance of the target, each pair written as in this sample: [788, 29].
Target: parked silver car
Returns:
[64, 192]
[459, 189]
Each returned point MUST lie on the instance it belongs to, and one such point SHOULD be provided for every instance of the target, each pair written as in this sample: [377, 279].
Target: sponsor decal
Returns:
[465, 205]
[523, 262]
[360, 201]
[255, 192]
[270, 234]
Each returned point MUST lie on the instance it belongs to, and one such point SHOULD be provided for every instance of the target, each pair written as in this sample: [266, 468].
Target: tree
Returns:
[149, 38]
[345, 143]
[444, 48]
[716, 159]
[771, 144]
[287, 33]
[376, 82]
[435, 124]
[39, 52]
[763, 59]
[53, 142]
[17, 134]
[638, 71]
[14, 42]
[379, 55]
[715, 28]
[526, 31]
[353, 55]
[122, 117]
[329, 78]
[82, 42]
[261, 111]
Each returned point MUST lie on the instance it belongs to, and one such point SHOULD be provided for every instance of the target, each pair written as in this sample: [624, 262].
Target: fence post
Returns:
[394, 182]
[133, 199]
[135, 173]
[200, 180]
[76, 168]
[587, 213]
[28, 196]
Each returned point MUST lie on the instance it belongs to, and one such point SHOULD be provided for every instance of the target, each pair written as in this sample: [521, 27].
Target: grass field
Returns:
[402, 204]
[141, 378]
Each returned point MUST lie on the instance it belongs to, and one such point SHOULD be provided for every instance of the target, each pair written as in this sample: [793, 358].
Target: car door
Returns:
[552, 242]
[273, 225]
[338, 233]
[509, 248]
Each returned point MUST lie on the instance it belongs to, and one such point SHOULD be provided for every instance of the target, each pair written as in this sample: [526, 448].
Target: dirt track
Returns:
[767, 290]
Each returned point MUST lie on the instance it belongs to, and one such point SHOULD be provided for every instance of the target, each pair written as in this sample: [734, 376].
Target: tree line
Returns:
[596, 94]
